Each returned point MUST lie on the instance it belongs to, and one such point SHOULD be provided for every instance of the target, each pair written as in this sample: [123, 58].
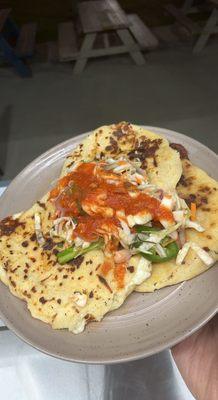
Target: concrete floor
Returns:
[174, 90]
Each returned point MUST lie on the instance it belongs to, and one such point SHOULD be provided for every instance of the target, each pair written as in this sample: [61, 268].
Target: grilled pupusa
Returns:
[82, 249]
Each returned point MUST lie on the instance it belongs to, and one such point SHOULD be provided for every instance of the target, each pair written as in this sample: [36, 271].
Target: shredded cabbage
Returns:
[38, 229]
[182, 253]
[158, 236]
[81, 243]
[179, 215]
[167, 202]
[125, 235]
[201, 253]
[145, 247]
[195, 225]
[63, 228]
[160, 250]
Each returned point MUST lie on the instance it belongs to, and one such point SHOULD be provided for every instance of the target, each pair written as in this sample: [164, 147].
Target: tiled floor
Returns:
[174, 89]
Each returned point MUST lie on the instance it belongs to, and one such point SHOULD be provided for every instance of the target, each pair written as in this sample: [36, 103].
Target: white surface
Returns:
[27, 374]
[2, 190]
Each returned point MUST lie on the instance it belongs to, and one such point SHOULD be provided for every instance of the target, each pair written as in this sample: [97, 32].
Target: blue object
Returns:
[8, 53]
[11, 31]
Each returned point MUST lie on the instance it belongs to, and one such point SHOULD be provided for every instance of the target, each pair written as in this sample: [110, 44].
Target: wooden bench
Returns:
[100, 20]
[100, 16]
[210, 27]
[26, 41]
[191, 27]
[180, 17]
[67, 43]
[143, 35]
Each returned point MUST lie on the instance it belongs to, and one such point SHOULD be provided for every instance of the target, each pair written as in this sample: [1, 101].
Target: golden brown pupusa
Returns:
[161, 162]
[194, 186]
[32, 272]
[65, 296]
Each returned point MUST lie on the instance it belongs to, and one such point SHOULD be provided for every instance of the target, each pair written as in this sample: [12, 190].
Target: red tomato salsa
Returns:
[90, 185]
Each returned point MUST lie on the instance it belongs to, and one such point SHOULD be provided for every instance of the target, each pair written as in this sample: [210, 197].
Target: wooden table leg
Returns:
[207, 31]
[133, 47]
[85, 48]
[106, 40]
[8, 53]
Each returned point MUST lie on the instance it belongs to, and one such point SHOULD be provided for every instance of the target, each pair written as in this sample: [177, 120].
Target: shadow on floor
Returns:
[5, 128]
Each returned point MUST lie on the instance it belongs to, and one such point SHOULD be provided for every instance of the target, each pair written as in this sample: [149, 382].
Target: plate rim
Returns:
[166, 344]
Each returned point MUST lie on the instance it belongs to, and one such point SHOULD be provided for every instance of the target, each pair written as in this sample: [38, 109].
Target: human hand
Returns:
[197, 360]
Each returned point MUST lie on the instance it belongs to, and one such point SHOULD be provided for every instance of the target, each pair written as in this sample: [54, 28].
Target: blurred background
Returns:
[45, 99]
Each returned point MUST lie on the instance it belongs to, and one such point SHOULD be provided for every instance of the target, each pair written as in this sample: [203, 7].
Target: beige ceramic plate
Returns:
[146, 323]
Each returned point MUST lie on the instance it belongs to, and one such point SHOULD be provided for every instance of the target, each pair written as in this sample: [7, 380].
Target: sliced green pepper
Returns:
[167, 240]
[171, 252]
[136, 244]
[146, 229]
[74, 252]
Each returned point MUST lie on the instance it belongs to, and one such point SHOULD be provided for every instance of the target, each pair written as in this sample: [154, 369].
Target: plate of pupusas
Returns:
[109, 244]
